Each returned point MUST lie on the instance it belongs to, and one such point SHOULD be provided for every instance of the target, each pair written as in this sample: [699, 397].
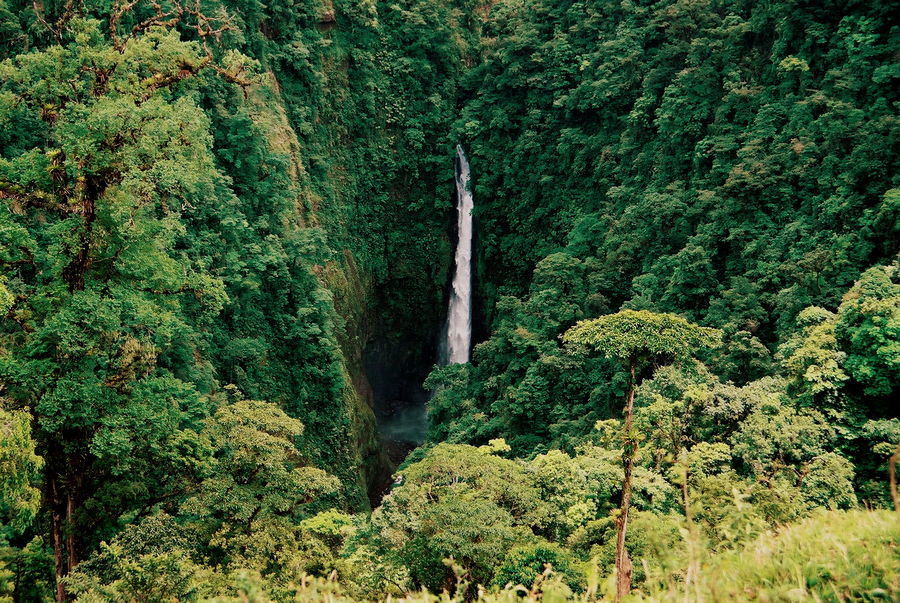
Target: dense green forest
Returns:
[226, 225]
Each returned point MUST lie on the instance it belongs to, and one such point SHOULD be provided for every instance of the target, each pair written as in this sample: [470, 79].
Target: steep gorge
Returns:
[367, 145]
[327, 217]
[229, 236]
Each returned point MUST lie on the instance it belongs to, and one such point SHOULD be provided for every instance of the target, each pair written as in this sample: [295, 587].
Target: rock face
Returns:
[361, 150]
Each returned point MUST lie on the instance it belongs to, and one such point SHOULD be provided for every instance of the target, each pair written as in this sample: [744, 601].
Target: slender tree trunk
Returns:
[56, 530]
[892, 473]
[62, 498]
[70, 532]
[623, 561]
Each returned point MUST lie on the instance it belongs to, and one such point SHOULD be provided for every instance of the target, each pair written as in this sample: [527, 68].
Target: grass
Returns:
[830, 556]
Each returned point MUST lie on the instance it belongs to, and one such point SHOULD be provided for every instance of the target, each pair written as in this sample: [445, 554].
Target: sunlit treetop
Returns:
[640, 335]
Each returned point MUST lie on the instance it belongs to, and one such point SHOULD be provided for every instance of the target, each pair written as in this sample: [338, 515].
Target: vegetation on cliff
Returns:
[685, 209]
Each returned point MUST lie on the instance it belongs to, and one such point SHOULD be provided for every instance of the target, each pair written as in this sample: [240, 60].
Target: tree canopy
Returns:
[226, 236]
[641, 335]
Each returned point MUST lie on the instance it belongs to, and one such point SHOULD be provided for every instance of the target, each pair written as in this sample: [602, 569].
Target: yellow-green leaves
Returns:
[868, 328]
[6, 298]
[792, 63]
[639, 334]
[860, 342]
[20, 469]
[813, 358]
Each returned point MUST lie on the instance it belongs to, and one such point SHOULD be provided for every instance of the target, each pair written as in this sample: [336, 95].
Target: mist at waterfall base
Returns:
[400, 400]
[395, 373]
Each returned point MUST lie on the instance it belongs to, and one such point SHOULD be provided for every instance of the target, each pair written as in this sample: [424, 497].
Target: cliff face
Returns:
[340, 156]
[320, 219]
[345, 437]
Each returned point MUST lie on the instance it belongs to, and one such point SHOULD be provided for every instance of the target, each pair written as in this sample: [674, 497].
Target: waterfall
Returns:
[459, 315]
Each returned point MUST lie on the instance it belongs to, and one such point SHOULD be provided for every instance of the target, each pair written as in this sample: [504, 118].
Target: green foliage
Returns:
[252, 508]
[857, 343]
[26, 571]
[830, 557]
[813, 357]
[458, 502]
[98, 342]
[523, 565]
[6, 298]
[259, 488]
[688, 151]
[165, 235]
[172, 243]
[833, 556]
[721, 162]
[523, 384]
[868, 328]
[654, 543]
[153, 577]
[20, 470]
[633, 335]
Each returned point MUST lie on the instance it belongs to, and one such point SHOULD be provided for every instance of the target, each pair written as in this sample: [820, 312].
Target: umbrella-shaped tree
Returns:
[642, 340]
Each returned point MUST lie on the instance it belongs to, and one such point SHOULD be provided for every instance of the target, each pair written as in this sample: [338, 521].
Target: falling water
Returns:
[400, 409]
[459, 316]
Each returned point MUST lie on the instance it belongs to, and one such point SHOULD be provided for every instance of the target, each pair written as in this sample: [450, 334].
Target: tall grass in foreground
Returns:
[830, 556]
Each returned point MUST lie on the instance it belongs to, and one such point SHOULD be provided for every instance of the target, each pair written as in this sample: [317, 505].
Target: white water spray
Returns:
[459, 316]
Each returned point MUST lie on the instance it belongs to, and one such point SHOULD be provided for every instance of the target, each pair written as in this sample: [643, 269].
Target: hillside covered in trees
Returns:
[227, 233]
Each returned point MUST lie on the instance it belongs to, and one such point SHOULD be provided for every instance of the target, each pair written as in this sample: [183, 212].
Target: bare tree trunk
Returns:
[623, 561]
[892, 472]
[56, 536]
[70, 532]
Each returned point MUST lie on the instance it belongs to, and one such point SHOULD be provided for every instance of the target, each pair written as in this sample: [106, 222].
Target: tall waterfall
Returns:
[459, 316]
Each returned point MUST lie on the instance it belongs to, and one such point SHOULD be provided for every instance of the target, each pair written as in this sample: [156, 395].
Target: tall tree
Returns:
[96, 341]
[642, 341]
